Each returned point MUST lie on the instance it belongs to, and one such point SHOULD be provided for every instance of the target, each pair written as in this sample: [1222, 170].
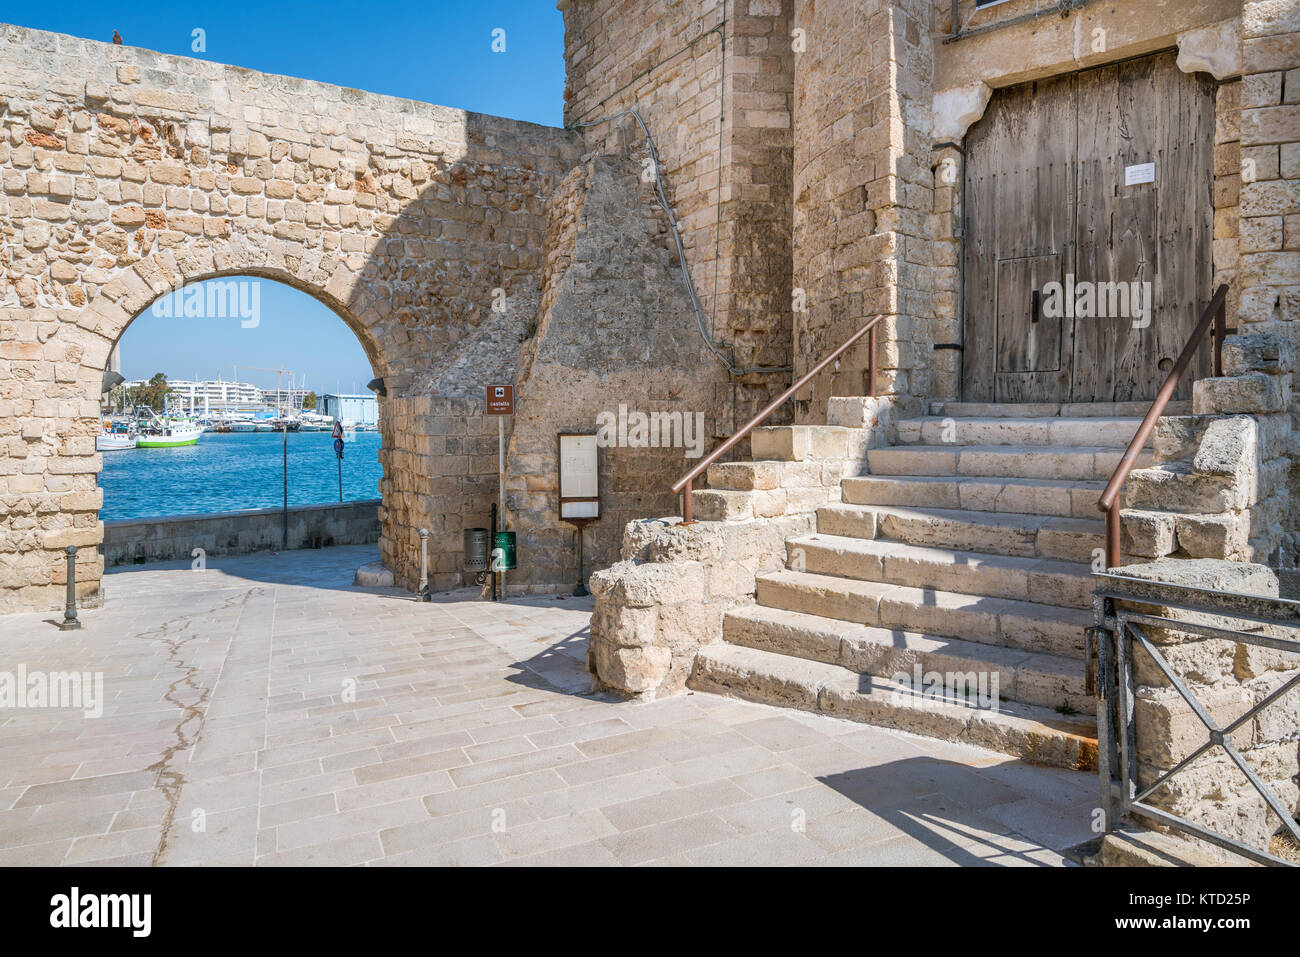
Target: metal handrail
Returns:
[684, 483]
[1216, 313]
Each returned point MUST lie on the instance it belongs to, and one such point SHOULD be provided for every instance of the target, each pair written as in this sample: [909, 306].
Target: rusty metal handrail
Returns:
[684, 483]
[1216, 313]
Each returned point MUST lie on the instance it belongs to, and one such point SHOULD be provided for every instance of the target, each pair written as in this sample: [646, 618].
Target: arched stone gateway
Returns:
[127, 173]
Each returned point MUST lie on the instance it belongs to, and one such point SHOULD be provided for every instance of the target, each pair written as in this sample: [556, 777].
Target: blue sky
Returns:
[289, 330]
[434, 51]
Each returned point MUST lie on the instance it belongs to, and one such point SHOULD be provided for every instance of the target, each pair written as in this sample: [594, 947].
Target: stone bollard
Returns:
[423, 593]
[70, 622]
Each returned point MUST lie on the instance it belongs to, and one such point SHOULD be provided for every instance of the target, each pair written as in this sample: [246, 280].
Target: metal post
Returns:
[501, 465]
[871, 362]
[687, 509]
[285, 544]
[1114, 532]
[423, 593]
[492, 541]
[340, 478]
[70, 622]
[1220, 333]
[581, 590]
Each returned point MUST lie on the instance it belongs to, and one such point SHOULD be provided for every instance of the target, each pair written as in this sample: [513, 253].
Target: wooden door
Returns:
[1047, 202]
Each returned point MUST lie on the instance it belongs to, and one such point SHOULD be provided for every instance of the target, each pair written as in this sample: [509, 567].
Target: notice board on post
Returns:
[579, 477]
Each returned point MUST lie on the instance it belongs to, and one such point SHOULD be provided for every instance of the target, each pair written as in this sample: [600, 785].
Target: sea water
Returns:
[230, 471]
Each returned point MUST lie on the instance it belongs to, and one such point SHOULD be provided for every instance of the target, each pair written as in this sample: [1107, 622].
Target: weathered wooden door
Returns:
[1084, 269]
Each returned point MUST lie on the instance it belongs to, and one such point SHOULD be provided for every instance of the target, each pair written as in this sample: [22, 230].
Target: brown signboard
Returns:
[500, 400]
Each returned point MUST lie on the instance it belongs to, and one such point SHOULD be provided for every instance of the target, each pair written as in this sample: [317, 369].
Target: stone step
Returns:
[999, 533]
[767, 474]
[1064, 498]
[996, 430]
[1074, 410]
[1045, 580]
[1050, 681]
[1004, 622]
[807, 443]
[734, 505]
[1081, 463]
[1035, 735]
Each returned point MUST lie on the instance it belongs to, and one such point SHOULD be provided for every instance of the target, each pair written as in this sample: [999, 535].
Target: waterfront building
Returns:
[284, 398]
[215, 392]
[361, 409]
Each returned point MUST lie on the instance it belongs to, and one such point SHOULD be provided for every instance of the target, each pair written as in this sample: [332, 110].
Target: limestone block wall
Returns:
[665, 600]
[125, 173]
[615, 337]
[713, 82]
[1218, 489]
[440, 473]
[1269, 274]
[174, 537]
[863, 194]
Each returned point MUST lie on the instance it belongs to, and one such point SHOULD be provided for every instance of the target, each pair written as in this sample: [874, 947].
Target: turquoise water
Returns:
[229, 471]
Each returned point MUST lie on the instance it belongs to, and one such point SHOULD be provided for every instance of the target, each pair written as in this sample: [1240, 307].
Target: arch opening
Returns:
[220, 436]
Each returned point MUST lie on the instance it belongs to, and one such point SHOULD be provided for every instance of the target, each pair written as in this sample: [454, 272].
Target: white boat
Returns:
[114, 441]
[241, 425]
[173, 434]
[156, 432]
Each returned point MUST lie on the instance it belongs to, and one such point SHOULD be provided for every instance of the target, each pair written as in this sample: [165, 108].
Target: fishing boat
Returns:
[114, 441]
[116, 436]
[156, 432]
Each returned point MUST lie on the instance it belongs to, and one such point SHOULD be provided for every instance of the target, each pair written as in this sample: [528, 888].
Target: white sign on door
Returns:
[1142, 173]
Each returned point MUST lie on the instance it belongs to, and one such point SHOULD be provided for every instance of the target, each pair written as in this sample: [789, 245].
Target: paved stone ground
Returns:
[470, 738]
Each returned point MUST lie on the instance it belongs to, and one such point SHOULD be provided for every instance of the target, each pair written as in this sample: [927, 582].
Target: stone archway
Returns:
[128, 173]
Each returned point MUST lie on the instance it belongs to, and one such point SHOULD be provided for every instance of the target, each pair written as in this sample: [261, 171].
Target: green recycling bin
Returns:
[503, 552]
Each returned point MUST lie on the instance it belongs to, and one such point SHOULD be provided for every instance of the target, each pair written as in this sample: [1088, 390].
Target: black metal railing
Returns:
[1126, 608]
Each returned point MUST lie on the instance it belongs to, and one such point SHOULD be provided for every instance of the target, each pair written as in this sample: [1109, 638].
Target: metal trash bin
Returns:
[505, 544]
[476, 549]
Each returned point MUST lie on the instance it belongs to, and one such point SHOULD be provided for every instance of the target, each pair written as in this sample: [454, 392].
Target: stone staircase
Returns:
[967, 551]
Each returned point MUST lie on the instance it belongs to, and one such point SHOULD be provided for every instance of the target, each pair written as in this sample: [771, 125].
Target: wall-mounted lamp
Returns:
[111, 380]
[377, 386]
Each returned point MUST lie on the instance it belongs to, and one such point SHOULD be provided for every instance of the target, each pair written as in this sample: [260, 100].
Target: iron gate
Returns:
[1125, 607]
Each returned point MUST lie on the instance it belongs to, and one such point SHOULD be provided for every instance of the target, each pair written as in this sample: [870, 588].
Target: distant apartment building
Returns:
[362, 409]
[215, 392]
[290, 398]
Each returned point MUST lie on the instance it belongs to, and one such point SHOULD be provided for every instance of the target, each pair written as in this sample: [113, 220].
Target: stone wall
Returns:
[126, 173]
[863, 195]
[713, 84]
[440, 473]
[1269, 275]
[174, 537]
[615, 337]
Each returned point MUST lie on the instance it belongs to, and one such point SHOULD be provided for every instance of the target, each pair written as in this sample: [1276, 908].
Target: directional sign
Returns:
[500, 400]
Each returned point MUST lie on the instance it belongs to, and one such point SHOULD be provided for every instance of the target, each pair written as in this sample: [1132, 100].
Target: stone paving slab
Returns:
[265, 712]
